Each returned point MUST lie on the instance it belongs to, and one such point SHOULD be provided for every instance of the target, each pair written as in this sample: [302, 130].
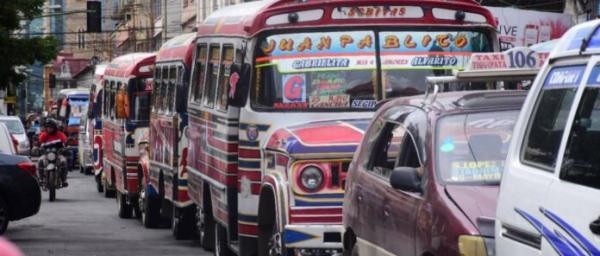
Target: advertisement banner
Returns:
[525, 28]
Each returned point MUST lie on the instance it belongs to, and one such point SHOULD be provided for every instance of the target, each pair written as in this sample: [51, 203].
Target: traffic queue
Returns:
[304, 128]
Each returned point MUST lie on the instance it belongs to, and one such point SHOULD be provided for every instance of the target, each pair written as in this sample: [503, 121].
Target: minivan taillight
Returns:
[29, 167]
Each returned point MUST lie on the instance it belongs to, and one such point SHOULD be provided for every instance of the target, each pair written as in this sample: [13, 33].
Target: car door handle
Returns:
[595, 226]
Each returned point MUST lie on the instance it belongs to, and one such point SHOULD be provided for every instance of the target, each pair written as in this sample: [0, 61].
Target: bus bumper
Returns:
[324, 238]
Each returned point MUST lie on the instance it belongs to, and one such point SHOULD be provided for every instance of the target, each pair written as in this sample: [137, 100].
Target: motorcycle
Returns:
[52, 173]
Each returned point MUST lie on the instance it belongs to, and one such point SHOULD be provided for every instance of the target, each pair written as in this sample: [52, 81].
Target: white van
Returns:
[549, 202]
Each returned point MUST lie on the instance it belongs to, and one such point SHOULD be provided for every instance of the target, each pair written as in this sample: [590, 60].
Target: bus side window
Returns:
[105, 88]
[114, 92]
[171, 90]
[199, 77]
[163, 89]
[223, 89]
[181, 91]
[212, 75]
[156, 89]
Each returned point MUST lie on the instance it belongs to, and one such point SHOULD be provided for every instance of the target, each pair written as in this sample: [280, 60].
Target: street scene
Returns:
[299, 127]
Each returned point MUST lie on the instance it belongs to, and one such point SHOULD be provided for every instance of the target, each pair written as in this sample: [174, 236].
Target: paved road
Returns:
[83, 222]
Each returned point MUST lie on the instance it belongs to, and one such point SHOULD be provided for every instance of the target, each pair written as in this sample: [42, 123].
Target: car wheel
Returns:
[182, 222]
[124, 210]
[221, 247]
[205, 226]
[3, 216]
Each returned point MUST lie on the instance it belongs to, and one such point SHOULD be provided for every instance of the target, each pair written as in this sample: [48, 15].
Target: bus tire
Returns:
[205, 224]
[221, 247]
[182, 222]
[99, 185]
[270, 237]
[124, 209]
[151, 209]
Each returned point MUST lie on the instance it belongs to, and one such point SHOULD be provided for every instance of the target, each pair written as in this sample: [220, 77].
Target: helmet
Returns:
[51, 123]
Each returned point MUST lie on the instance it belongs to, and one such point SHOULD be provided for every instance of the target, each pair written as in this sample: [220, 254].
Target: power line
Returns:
[76, 32]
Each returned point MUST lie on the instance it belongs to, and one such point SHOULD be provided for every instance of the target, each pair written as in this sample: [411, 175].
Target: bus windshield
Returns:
[342, 70]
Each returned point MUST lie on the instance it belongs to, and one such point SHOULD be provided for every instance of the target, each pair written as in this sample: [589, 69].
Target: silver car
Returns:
[16, 129]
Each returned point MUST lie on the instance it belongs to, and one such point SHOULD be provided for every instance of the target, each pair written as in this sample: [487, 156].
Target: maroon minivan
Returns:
[425, 179]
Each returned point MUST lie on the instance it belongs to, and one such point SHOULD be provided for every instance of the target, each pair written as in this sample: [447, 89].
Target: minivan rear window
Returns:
[471, 148]
[545, 131]
[581, 164]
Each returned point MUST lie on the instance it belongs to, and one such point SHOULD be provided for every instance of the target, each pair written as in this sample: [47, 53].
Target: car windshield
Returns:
[471, 148]
[14, 126]
[339, 70]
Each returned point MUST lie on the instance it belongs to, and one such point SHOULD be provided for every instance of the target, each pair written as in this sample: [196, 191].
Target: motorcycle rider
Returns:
[52, 137]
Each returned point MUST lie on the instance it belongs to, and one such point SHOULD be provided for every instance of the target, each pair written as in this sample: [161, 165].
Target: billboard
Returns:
[524, 28]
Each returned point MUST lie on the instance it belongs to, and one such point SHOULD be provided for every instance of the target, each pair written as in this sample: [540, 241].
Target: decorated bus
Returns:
[125, 117]
[72, 105]
[95, 125]
[277, 91]
[165, 163]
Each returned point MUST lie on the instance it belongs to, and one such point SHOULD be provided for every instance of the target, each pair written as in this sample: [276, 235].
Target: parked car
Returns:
[19, 191]
[7, 141]
[15, 127]
[425, 177]
[549, 201]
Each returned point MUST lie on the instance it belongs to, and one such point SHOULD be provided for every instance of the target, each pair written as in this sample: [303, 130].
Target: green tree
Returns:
[16, 50]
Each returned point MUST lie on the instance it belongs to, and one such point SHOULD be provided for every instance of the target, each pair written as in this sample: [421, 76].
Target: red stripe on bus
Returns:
[316, 220]
[247, 229]
[249, 153]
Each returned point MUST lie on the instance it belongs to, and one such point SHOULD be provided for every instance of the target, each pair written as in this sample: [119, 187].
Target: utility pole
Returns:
[151, 36]
[134, 34]
[165, 23]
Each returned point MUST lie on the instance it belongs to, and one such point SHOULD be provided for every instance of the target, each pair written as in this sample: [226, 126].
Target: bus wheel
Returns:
[124, 210]
[221, 247]
[205, 226]
[182, 222]
[99, 185]
[150, 209]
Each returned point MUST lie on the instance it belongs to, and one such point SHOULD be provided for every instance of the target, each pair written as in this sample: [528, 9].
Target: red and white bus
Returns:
[276, 89]
[168, 145]
[126, 95]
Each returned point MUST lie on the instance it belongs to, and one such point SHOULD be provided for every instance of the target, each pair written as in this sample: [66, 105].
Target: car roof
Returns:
[463, 101]
[10, 118]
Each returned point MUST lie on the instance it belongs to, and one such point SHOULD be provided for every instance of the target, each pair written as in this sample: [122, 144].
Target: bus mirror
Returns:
[239, 81]
[122, 105]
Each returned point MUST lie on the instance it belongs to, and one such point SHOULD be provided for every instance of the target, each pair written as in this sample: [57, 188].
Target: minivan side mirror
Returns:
[406, 178]
[239, 81]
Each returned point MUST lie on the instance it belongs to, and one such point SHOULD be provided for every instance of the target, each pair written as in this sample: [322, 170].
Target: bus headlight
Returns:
[311, 178]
